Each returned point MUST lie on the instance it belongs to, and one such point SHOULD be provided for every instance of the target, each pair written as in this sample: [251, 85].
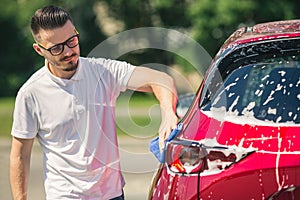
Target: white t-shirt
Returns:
[74, 121]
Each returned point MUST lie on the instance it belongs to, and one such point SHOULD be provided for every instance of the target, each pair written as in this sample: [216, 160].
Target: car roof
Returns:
[256, 36]
[263, 31]
[252, 45]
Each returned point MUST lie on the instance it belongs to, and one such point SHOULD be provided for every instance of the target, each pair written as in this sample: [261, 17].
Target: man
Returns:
[69, 105]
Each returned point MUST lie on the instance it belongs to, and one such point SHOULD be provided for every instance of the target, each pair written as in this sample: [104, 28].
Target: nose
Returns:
[68, 51]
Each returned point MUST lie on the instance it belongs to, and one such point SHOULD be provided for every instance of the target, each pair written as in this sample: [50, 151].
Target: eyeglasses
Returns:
[59, 48]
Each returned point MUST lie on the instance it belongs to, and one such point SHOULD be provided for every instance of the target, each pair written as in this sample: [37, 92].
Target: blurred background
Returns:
[208, 22]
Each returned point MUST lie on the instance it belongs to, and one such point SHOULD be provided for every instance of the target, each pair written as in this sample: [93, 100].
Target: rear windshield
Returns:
[267, 91]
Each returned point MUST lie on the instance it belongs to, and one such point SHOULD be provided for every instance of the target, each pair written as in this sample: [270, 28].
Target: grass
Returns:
[138, 127]
[6, 115]
[144, 123]
[136, 100]
[132, 125]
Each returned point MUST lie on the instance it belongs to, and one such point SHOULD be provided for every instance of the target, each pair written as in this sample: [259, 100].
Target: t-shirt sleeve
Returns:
[121, 70]
[25, 123]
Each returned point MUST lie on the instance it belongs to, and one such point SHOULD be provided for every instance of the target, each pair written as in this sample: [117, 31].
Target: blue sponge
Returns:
[154, 144]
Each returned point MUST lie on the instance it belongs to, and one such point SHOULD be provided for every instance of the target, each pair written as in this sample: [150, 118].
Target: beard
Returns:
[71, 66]
[63, 63]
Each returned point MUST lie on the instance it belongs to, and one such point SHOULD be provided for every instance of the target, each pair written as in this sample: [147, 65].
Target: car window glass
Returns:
[225, 63]
[266, 91]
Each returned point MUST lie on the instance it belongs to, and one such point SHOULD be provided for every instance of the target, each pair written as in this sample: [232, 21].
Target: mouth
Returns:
[69, 58]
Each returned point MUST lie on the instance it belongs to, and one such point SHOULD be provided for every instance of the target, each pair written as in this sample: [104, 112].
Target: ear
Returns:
[37, 48]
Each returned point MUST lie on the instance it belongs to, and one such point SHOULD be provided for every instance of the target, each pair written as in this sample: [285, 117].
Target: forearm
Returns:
[166, 94]
[19, 173]
[163, 87]
[160, 83]
[19, 170]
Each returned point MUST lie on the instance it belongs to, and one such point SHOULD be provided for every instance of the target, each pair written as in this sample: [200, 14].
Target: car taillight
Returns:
[185, 159]
[190, 157]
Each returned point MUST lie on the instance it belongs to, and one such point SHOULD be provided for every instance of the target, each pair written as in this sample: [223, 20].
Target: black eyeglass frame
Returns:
[62, 44]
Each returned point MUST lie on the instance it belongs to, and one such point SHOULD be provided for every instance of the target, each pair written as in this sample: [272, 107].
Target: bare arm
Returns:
[162, 85]
[19, 167]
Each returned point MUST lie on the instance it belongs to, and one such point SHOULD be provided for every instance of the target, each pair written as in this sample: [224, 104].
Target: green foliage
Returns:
[209, 22]
[215, 20]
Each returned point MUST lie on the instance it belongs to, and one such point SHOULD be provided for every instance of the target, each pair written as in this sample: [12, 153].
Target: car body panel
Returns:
[260, 172]
[269, 167]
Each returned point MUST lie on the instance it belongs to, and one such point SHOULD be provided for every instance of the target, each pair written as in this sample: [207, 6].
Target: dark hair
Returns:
[49, 17]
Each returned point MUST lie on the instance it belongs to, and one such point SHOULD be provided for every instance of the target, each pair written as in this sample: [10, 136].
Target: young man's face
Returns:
[67, 61]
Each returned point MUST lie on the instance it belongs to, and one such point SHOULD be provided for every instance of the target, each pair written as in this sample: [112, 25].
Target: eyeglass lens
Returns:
[59, 48]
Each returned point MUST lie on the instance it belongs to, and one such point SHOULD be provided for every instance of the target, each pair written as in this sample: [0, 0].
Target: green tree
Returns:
[214, 20]
[210, 22]
[15, 59]
[18, 59]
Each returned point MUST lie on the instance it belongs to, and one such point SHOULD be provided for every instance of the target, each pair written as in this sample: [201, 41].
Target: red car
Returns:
[240, 138]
